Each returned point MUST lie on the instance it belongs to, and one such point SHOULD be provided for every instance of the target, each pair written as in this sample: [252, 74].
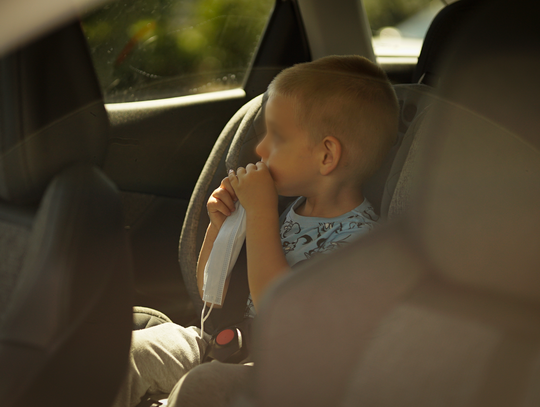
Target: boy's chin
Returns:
[286, 194]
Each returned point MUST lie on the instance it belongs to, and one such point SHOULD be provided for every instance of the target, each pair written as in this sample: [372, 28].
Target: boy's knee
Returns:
[167, 343]
[211, 384]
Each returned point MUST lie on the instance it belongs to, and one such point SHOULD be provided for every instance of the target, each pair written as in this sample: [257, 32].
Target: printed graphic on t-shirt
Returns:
[303, 237]
[312, 238]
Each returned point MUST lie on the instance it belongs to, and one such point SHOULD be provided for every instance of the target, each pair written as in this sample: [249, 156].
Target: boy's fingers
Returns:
[232, 177]
[217, 205]
[226, 184]
[221, 194]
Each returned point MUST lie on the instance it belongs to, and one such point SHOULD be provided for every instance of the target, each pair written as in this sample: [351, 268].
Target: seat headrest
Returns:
[51, 113]
[444, 28]
[475, 211]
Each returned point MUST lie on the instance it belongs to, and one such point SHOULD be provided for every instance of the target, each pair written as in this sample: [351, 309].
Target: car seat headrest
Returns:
[442, 30]
[51, 113]
[475, 210]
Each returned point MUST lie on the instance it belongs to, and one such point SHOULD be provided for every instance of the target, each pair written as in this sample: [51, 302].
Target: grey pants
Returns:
[213, 384]
[161, 357]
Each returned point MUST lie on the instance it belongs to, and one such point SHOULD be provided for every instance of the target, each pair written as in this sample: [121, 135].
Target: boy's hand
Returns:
[221, 203]
[256, 191]
[254, 187]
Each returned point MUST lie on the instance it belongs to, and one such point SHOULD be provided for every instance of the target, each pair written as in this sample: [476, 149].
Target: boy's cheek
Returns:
[274, 179]
[270, 171]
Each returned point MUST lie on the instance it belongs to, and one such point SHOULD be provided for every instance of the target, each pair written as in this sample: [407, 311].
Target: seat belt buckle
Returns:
[229, 345]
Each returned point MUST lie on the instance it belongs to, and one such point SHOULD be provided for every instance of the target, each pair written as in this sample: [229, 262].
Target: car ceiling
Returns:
[19, 25]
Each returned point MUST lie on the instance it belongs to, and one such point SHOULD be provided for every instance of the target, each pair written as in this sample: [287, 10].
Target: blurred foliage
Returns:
[388, 13]
[159, 48]
[145, 49]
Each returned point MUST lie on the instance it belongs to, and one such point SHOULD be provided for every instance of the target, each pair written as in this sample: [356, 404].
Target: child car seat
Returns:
[236, 147]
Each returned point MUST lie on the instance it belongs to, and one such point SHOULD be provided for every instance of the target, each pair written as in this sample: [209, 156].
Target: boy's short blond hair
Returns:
[347, 97]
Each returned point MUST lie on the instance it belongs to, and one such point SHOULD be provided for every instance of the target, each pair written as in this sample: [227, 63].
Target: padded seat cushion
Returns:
[440, 306]
[68, 322]
[51, 113]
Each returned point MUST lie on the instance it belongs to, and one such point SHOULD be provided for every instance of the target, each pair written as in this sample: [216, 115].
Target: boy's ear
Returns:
[331, 154]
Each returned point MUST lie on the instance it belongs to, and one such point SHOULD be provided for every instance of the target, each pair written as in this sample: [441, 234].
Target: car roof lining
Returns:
[19, 26]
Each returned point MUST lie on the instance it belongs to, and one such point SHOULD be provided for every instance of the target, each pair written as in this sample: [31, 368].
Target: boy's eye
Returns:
[272, 135]
[277, 138]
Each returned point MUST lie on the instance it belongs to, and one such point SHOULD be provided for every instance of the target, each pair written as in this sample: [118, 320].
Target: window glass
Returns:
[399, 26]
[149, 49]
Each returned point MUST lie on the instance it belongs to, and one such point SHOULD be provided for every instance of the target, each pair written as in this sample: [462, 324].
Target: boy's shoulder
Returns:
[303, 237]
[360, 220]
[364, 210]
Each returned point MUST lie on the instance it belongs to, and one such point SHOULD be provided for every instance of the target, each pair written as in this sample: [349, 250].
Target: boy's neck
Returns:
[331, 205]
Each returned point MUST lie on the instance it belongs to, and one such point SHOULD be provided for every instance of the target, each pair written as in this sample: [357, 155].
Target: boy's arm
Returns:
[265, 258]
[266, 261]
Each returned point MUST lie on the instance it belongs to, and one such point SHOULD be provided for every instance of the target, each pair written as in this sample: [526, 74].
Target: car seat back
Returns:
[65, 274]
[442, 305]
[438, 39]
[413, 100]
[49, 92]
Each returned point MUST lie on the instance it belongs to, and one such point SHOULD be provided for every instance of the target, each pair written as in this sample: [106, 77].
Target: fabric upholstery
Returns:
[453, 350]
[493, 115]
[65, 279]
[405, 172]
[13, 241]
[223, 157]
[68, 324]
[413, 99]
[51, 113]
[443, 30]
[441, 306]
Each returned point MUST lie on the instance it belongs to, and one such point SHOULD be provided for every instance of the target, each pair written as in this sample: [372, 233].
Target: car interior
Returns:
[102, 210]
[66, 262]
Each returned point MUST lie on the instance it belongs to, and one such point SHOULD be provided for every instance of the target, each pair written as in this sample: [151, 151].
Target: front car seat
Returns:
[438, 40]
[65, 274]
[441, 306]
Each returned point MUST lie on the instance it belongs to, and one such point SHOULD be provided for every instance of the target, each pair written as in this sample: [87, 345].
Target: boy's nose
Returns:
[259, 150]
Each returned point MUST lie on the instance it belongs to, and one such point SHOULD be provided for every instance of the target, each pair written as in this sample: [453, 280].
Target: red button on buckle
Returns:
[225, 337]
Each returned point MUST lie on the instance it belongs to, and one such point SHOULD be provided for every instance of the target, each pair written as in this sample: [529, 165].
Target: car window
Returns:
[399, 27]
[150, 49]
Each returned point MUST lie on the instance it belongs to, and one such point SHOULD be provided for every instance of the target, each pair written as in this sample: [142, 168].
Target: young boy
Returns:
[330, 124]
